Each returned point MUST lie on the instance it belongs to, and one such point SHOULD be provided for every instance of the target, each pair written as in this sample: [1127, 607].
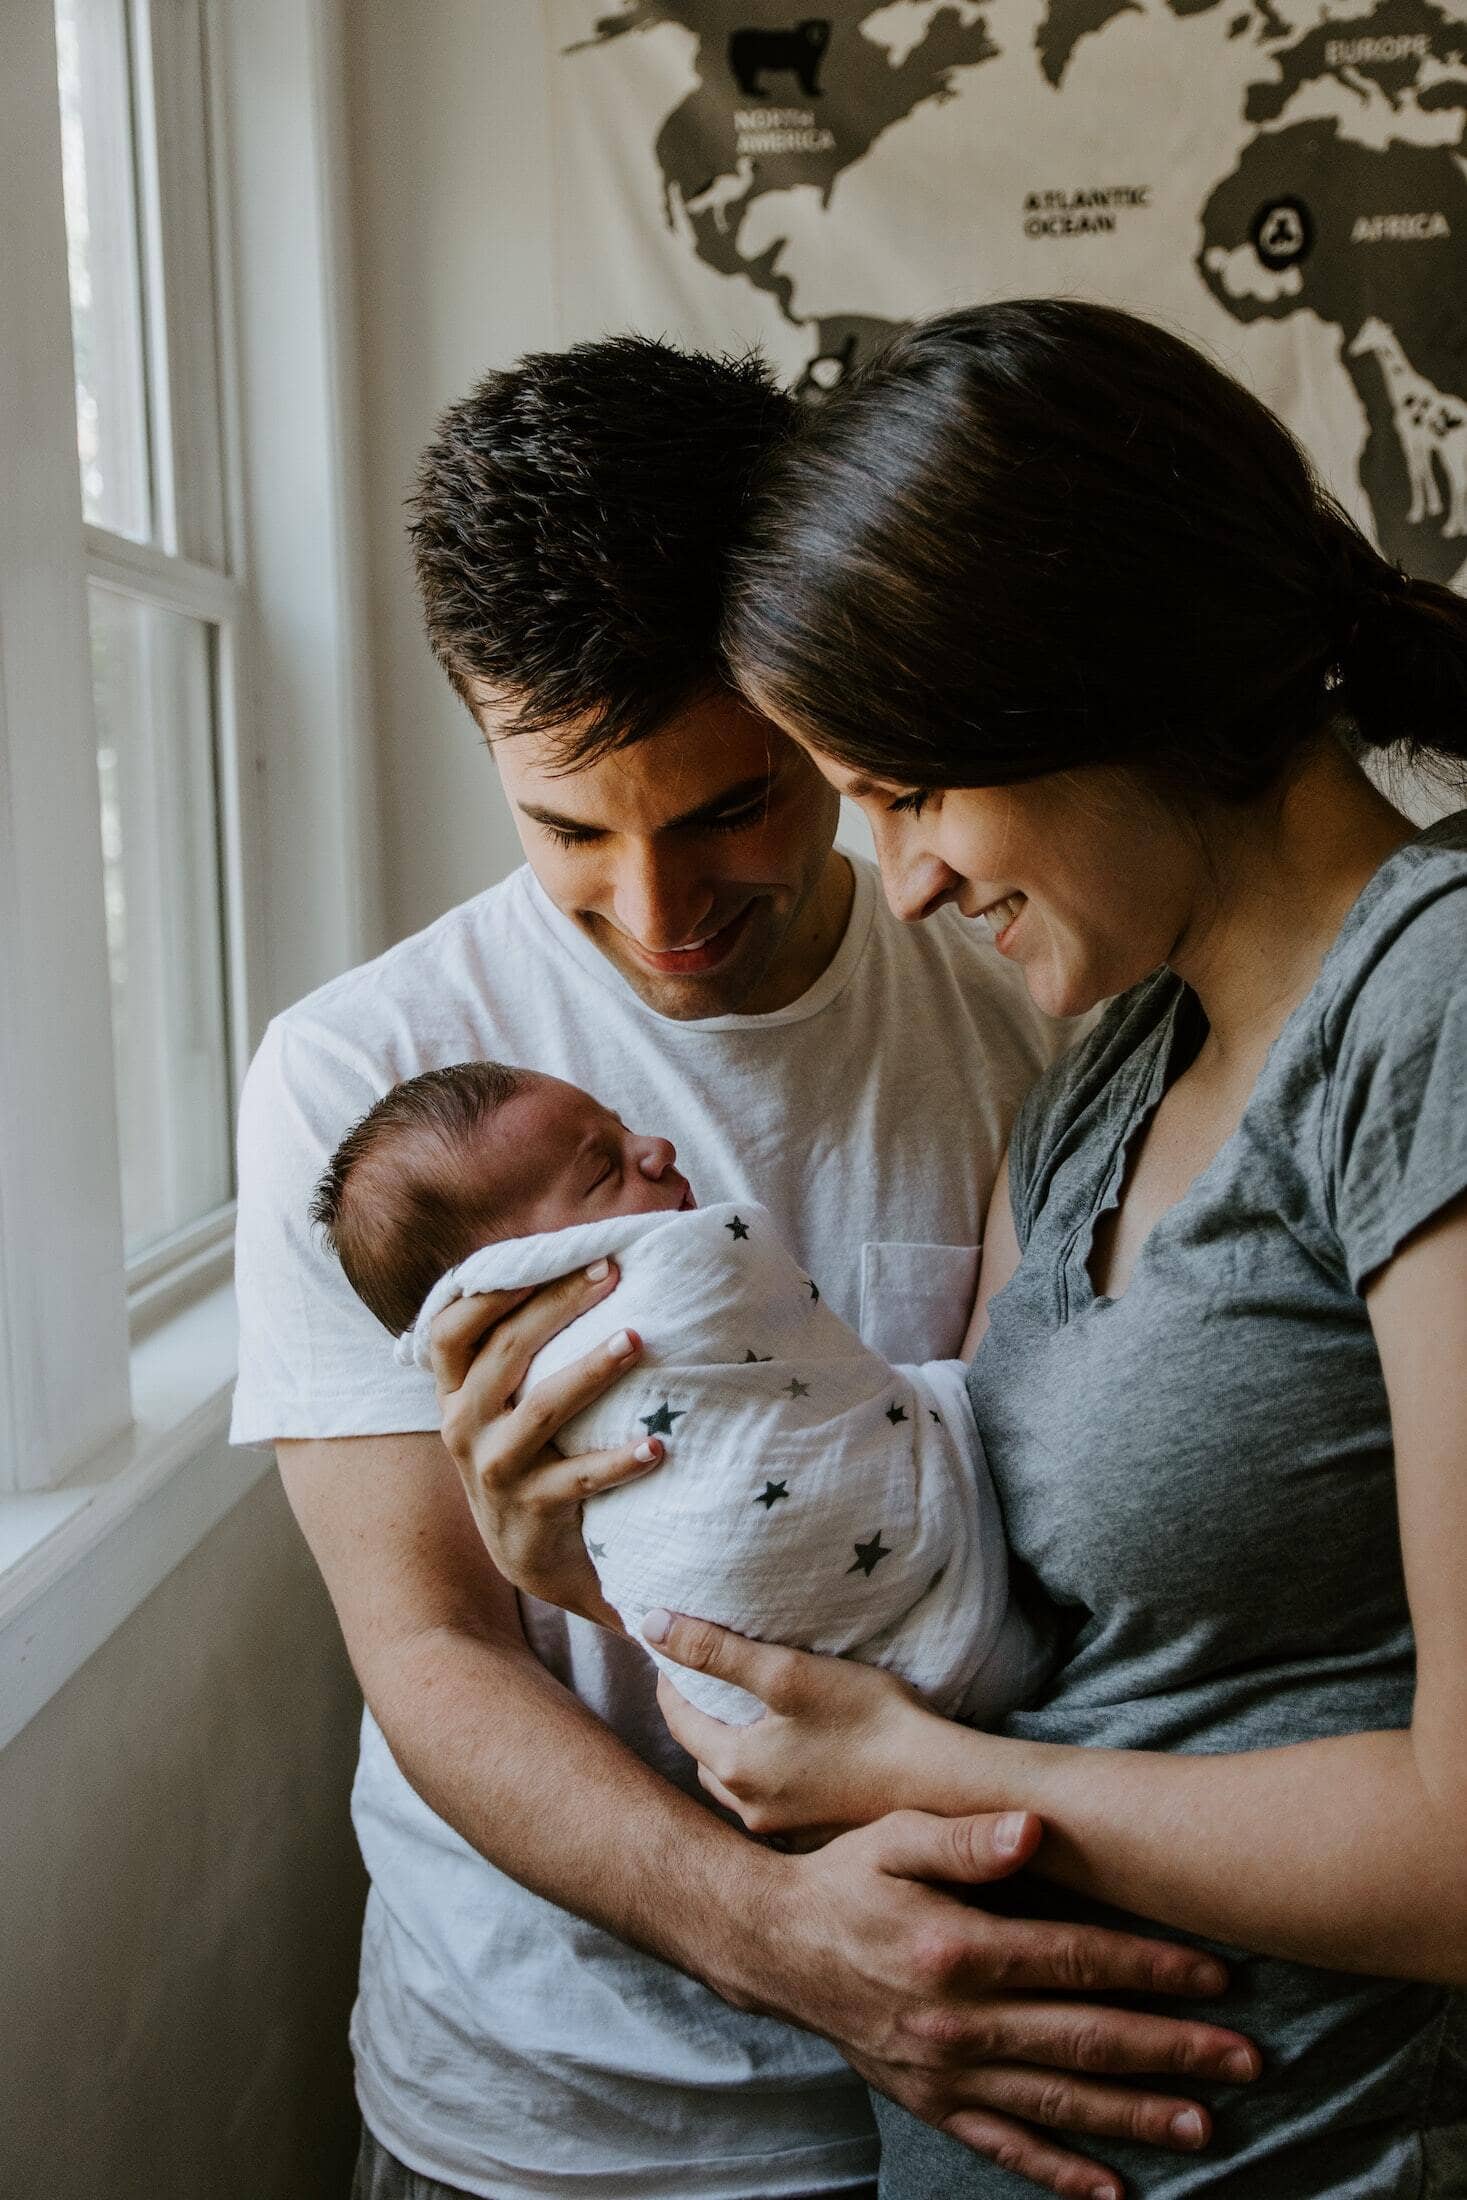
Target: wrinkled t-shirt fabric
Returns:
[1199, 1475]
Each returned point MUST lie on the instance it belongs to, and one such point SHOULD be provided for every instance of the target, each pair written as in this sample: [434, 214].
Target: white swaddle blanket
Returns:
[810, 1494]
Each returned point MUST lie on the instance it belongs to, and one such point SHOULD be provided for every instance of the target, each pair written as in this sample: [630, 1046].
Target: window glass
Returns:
[154, 683]
[99, 173]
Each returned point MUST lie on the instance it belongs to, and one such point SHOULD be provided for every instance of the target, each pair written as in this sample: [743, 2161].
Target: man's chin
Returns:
[700, 994]
[686, 1000]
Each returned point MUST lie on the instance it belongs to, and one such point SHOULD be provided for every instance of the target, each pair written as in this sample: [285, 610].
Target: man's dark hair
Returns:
[397, 1203]
[571, 523]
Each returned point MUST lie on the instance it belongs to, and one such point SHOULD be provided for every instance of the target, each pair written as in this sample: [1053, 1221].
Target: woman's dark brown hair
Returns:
[1044, 534]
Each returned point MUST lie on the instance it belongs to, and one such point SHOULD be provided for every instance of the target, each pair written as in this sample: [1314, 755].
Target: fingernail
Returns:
[1239, 2065]
[1008, 1831]
[647, 1452]
[598, 1271]
[1188, 2129]
[620, 1347]
[1104, 2192]
[1207, 1978]
[657, 1625]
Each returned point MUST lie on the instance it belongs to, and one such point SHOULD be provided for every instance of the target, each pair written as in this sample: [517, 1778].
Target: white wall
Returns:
[450, 161]
[183, 1896]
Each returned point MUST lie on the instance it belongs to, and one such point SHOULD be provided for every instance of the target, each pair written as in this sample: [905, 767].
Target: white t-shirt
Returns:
[503, 2045]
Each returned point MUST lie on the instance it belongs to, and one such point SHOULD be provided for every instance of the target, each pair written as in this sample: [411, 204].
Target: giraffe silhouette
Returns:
[1430, 425]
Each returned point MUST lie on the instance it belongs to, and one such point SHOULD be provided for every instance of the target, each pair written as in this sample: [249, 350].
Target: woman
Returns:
[1064, 609]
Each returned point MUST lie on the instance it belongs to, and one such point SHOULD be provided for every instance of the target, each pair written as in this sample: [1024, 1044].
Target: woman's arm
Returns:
[1349, 1852]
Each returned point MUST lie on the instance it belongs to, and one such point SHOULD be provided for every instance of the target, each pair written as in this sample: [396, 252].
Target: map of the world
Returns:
[1284, 183]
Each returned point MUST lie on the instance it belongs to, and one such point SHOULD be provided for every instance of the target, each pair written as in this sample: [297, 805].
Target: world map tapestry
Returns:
[1285, 184]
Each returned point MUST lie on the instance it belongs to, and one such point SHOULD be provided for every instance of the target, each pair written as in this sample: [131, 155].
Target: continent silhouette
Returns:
[1380, 253]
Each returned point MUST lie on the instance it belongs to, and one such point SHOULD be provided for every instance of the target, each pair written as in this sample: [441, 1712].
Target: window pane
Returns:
[99, 176]
[154, 680]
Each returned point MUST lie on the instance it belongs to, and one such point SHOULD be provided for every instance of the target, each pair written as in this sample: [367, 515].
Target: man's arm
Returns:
[477, 1725]
[852, 1942]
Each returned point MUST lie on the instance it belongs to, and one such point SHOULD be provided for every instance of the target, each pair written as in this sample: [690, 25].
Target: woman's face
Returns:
[1087, 881]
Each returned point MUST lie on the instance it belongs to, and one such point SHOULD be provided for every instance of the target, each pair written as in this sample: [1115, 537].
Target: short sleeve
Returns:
[312, 1360]
[1396, 1123]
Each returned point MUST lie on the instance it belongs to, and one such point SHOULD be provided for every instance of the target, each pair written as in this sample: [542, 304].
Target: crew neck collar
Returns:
[571, 941]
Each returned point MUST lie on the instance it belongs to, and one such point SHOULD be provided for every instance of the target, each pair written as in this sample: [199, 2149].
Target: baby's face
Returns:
[553, 1156]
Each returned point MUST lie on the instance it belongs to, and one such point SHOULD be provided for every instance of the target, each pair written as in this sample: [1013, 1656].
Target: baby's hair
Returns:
[397, 1203]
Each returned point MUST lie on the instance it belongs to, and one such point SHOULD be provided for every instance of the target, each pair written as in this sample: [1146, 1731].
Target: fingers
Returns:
[527, 1431]
[460, 1329]
[1087, 2037]
[511, 1326]
[1052, 2168]
[563, 1483]
[543, 1411]
[1062, 2103]
[1032, 1953]
[693, 1730]
[914, 1844]
[763, 1668]
[1036, 1953]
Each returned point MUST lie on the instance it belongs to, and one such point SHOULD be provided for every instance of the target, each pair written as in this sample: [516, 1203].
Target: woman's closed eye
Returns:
[911, 805]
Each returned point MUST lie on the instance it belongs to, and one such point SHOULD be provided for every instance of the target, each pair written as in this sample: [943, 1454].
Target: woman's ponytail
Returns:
[1403, 660]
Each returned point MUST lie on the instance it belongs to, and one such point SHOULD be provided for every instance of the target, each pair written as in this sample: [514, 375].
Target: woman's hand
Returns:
[838, 1744]
[525, 1497]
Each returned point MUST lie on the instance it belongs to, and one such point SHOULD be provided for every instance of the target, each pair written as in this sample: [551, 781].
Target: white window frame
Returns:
[180, 132]
[114, 1385]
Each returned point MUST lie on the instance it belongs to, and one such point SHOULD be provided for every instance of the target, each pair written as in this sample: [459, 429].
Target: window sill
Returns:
[76, 1561]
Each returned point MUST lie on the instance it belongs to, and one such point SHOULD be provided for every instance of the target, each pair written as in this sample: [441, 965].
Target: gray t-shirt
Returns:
[1199, 1475]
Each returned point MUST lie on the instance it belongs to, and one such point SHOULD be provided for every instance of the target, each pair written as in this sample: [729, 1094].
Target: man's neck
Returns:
[812, 943]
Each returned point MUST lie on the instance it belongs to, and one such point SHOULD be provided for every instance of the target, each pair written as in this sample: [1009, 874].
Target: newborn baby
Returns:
[809, 1493]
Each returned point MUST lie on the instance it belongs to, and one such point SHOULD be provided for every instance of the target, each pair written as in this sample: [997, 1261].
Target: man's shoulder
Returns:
[415, 985]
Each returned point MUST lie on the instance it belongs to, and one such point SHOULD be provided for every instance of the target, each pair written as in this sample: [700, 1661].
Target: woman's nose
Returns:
[656, 1158]
[915, 889]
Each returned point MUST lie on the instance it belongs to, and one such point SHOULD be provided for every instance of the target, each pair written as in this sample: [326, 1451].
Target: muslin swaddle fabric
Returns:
[810, 1493]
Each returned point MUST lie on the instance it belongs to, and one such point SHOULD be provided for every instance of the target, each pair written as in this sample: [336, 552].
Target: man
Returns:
[574, 1973]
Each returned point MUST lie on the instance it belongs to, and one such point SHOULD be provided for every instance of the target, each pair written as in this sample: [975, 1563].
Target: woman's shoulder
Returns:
[1403, 948]
[1391, 1036]
[1079, 1089]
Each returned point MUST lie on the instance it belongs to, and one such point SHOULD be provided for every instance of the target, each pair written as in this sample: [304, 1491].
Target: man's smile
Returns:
[698, 957]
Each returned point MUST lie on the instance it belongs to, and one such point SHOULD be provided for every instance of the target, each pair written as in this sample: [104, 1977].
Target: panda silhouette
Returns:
[798, 51]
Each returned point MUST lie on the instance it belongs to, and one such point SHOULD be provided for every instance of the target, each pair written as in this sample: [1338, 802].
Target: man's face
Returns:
[698, 861]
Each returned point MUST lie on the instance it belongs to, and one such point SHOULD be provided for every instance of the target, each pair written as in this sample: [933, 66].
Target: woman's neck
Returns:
[1285, 871]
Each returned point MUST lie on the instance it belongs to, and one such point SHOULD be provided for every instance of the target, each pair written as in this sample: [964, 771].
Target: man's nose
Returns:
[660, 901]
[656, 1158]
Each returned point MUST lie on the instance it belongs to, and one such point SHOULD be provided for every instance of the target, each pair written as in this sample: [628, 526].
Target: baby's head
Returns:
[459, 1157]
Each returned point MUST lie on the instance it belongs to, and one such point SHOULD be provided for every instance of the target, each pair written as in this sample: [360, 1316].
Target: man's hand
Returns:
[965, 2018]
[525, 1497]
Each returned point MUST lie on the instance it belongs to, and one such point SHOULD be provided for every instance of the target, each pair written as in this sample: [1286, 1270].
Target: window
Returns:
[187, 829]
[143, 265]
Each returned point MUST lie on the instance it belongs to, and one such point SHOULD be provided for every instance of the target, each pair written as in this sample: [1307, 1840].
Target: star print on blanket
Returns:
[808, 1491]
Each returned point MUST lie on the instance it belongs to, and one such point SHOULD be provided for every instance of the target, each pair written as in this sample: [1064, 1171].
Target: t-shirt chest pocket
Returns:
[916, 1299]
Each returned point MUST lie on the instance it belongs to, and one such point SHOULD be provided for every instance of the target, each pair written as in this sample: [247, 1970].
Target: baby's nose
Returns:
[658, 1158]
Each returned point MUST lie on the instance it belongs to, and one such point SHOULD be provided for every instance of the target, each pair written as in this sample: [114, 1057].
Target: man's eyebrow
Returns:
[744, 791]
